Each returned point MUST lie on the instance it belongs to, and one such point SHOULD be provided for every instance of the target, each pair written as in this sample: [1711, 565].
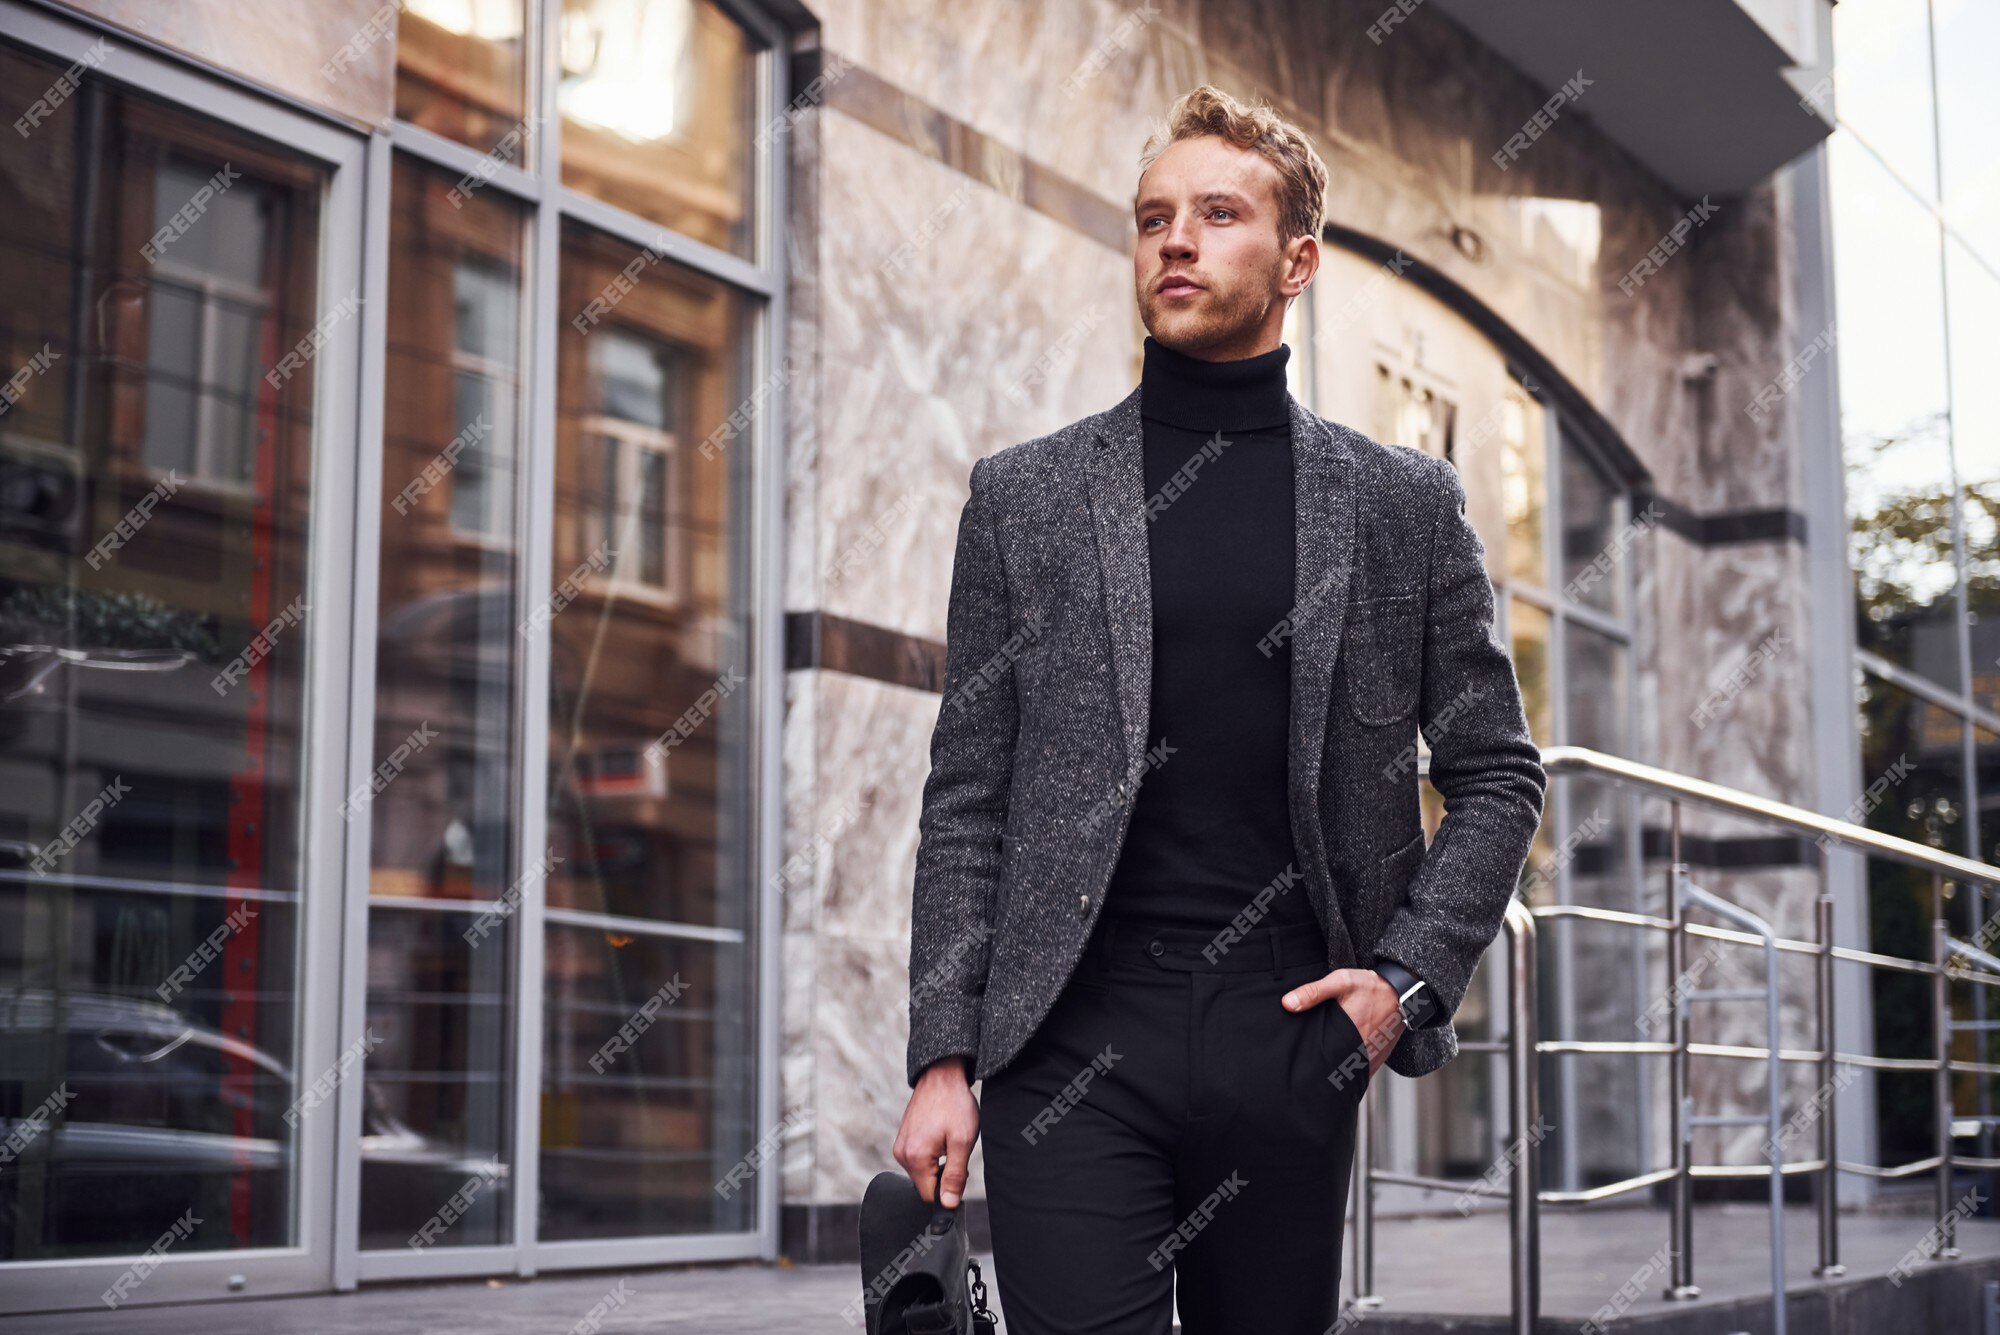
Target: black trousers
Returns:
[1170, 1122]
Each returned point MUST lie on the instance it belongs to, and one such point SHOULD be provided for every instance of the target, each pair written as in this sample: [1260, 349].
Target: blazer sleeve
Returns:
[964, 799]
[1483, 763]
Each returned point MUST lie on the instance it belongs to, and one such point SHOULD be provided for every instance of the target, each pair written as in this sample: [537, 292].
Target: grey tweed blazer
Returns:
[1040, 741]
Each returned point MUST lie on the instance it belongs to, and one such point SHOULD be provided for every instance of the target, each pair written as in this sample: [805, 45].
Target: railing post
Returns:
[1680, 1241]
[1941, 1029]
[1774, 1086]
[1524, 1085]
[1829, 1180]
[1365, 1296]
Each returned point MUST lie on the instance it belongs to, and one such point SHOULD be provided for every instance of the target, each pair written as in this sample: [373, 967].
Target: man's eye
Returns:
[1213, 212]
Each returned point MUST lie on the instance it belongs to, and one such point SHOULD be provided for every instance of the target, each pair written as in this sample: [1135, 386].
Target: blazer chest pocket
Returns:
[1384, 653]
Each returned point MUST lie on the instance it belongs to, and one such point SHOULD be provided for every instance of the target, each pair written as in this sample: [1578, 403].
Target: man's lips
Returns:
[1177, 286]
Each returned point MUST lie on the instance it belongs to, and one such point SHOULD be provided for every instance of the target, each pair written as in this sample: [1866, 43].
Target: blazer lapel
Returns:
[1117, 484]
[1323, 487]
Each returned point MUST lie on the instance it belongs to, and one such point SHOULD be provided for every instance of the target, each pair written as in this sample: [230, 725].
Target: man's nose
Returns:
[1179, 240]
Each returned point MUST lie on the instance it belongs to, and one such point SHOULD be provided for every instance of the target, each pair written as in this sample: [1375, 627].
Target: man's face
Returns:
[1207, 211]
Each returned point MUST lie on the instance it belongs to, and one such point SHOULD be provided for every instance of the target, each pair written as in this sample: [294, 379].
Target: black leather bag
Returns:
[917, 1272]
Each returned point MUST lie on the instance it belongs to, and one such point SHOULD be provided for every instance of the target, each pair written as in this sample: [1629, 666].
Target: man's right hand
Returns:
[940, 1121]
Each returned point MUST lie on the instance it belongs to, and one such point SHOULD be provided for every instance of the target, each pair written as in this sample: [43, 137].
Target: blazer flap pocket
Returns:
[1395, 870]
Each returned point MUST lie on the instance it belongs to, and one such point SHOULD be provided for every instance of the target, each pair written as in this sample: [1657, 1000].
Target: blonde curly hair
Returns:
[1209, 110]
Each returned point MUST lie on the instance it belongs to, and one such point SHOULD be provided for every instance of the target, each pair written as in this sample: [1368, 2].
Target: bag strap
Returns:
[983, 1320]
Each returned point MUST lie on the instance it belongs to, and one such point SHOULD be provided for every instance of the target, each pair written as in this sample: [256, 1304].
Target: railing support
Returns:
[1829, 1176]
[1680, 1199]
[1365, 1296]
[1941, 1010]
[1524, 1096]
[1774, 1104]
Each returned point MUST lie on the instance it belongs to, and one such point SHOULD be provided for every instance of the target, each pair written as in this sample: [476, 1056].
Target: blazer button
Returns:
[1083, 906]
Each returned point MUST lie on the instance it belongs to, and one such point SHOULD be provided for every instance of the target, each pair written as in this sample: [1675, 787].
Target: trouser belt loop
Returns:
[1277, 956]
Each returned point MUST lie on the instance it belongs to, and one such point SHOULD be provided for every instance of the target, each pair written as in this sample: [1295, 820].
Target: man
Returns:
[1173, 902]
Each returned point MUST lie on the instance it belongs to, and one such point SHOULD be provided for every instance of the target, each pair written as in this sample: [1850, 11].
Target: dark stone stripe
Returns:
[1736, 854]
[840, 644]
[1724, 527]
[882, 106]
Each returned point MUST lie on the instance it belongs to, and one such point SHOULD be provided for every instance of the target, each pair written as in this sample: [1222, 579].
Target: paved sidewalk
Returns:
[1587, 1256]
[724, 1300]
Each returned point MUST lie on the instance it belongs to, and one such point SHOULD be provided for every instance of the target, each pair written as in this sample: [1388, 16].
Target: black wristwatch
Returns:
[1413, 995]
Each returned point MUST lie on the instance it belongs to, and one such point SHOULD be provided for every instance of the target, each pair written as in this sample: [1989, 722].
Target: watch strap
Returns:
[1413, 995]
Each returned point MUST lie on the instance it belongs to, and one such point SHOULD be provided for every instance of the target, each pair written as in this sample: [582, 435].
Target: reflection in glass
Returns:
[1528, 636]
[1599, 815]
[1413, 415]
[648, 738]
[1882, 54]
[657, 100]
[1528, 632]
[1913, 750]
[1968, 109]
[1986, 761]
[447, 651]
[1894, 419]
[460, 73]
[648, 1087]
[1596, 549]
[151, 678]
[1523, 486]
[437, 1105]
[1590, 825]
[1975, 425]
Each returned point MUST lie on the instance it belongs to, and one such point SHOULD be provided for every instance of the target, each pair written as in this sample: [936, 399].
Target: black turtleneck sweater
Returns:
[1211, 824]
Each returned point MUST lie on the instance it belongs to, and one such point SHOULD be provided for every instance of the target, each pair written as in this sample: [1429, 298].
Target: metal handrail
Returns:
[1951, 959]
[1560, 760]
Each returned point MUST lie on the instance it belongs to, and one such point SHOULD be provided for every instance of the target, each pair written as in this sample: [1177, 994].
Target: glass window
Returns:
[1413, 415]
[1975, 401]
[1596, 545]
[1882, 84]
[1599, 815]
[461, 73]
[657, 101]
[1528, 635]
[1968, 109]
[650, 914]
[1528, 629]
[158, 277]
[1913, 782]
[447, 655]
[1894, 417]
[1986, 773]
[1524, 484]
[437, 1114]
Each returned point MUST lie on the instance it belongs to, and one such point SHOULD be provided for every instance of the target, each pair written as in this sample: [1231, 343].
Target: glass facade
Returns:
[447, 661]
[1916, 241]
[529, 889]
[648, 752]
[154, 521]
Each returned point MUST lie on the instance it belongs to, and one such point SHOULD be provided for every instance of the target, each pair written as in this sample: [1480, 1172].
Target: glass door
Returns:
[177, 332]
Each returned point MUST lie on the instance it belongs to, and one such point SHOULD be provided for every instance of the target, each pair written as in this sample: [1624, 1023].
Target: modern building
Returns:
[478, 482]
